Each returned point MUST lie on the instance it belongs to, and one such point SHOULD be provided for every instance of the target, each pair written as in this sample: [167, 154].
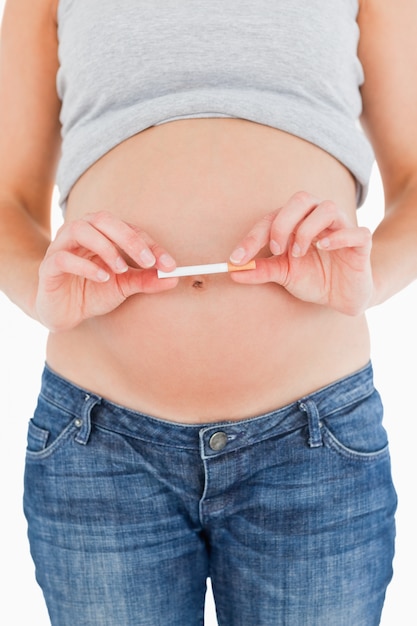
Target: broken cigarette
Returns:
[209, 268]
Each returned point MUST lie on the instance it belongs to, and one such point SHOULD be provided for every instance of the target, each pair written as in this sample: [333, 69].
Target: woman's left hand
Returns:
[319, 254]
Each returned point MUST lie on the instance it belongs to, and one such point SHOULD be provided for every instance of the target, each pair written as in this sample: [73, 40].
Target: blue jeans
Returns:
[291, 514]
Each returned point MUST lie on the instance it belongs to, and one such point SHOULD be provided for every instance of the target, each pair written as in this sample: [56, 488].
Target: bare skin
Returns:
[220, 347]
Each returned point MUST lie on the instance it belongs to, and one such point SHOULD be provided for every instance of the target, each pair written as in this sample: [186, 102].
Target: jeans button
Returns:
[218, 441]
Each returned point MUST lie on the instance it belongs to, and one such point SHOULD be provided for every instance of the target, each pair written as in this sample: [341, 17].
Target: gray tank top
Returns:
[289, 64]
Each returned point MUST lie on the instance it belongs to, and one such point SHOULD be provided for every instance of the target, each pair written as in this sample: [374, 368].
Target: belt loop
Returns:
[84, 423]
[314, 427]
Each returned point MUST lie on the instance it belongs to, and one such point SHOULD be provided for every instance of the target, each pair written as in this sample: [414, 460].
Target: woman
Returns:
[221, 425]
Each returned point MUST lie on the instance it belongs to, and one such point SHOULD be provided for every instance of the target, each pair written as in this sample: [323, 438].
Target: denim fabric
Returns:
[291, 514]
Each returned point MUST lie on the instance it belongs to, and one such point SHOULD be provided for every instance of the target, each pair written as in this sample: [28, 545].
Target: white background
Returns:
[22, 341]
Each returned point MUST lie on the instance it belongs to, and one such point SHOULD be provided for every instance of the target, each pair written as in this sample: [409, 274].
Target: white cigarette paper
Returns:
[209, 268]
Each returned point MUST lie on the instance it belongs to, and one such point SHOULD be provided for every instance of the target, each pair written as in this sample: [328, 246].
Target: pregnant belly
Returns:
[210, 349]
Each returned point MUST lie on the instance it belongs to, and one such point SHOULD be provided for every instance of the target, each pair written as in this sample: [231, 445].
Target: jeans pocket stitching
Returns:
[37, 437]
[46, 452]
[333, 443]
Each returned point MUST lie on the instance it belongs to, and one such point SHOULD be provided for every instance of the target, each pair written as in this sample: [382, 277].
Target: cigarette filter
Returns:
[209, 268]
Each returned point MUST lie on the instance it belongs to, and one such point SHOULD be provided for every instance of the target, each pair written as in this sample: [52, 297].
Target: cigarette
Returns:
[209, 268]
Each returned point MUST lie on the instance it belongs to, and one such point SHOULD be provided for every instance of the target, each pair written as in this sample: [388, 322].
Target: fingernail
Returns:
[296, 250]
[274, 247]
[238, 255]
[121, 265]
[147, 258]
[103, 276]
[166, 260]
[323, 243]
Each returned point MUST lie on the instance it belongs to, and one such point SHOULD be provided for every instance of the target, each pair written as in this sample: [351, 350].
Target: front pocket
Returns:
[49, 427]
[333, 443]
[37, 437]
[51, 446]
[356, 431]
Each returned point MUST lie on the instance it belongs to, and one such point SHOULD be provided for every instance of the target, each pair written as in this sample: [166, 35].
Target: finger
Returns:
[133, 241]
[255, 240]
[271, 270]
[326, 217]
[299, 206]
[163, 260]
[82, 234]
[64, 262]
[358, 239]
[144, 281]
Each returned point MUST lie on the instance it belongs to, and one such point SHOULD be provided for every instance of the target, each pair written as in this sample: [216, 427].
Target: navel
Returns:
[198, 282]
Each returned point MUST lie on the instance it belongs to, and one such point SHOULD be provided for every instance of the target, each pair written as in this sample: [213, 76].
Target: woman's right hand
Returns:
[93, 265]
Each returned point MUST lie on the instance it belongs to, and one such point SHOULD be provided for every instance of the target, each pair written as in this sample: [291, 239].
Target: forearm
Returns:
[394, 251]
[23, 243]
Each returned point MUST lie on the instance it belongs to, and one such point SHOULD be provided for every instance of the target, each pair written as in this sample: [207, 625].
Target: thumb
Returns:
[271, 270]
[136, 281]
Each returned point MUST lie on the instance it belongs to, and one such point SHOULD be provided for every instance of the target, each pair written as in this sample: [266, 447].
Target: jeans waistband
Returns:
[327, 400]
